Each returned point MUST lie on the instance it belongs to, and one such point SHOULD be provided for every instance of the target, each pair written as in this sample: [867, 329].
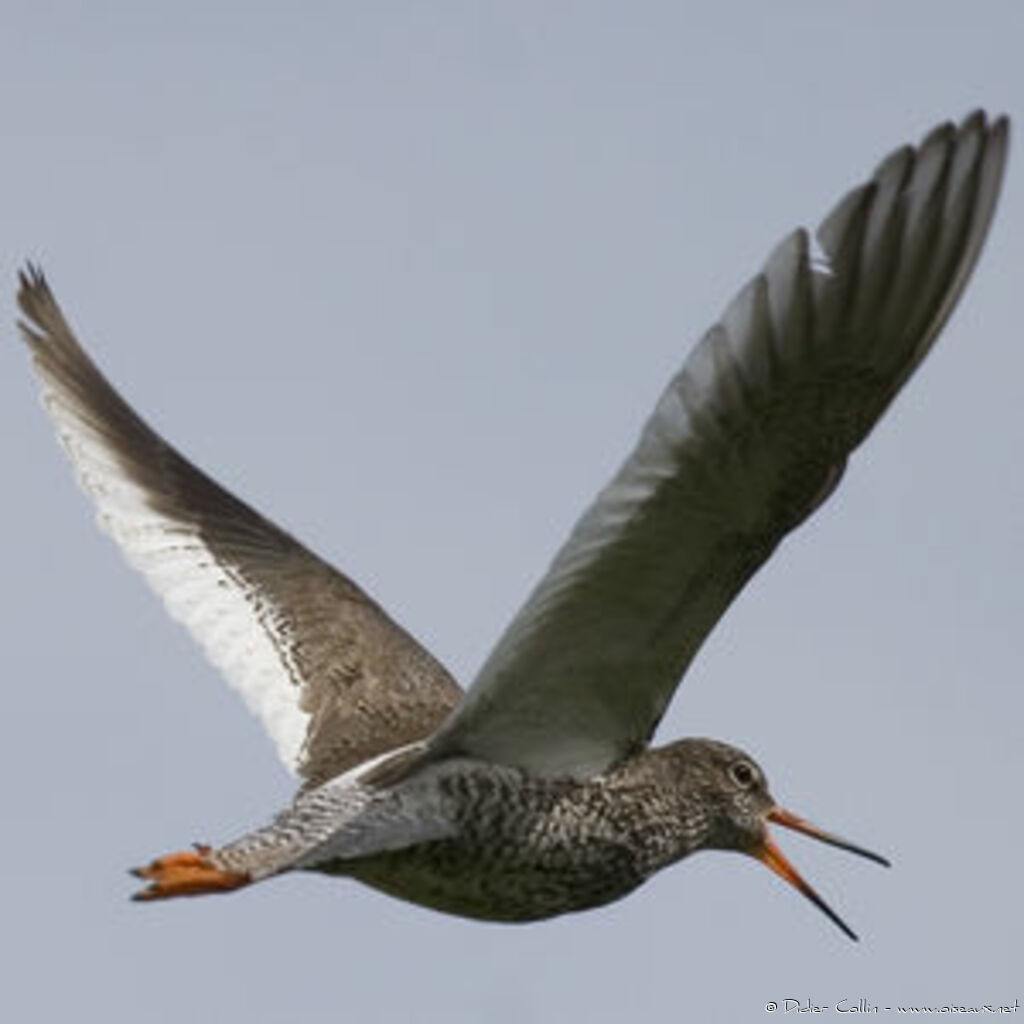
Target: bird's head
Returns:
[730, 792]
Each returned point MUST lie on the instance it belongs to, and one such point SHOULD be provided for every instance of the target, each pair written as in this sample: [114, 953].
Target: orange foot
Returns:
[186, 874]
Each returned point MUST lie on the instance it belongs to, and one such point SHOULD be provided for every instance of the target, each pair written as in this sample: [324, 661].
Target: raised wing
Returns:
[746, 442]
[332, 678]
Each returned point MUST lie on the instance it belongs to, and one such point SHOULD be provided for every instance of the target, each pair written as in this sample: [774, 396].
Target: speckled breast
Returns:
[527, 848]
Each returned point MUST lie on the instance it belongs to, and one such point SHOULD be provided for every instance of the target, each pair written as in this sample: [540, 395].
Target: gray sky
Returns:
[408, 277]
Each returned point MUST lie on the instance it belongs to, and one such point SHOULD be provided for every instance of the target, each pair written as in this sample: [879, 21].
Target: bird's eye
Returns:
[744, 774]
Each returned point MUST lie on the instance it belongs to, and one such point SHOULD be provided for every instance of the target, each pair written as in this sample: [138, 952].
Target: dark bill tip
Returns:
[771, 856]
[787, 819]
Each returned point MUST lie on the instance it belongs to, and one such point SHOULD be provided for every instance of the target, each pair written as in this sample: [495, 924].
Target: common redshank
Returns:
[536, 792]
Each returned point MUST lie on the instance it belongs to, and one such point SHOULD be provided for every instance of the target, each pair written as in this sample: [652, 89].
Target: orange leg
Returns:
[186, 874]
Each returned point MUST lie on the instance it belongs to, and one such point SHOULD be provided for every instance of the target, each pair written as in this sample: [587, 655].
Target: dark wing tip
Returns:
[995, 130]
[942, 134]
[33, 289]
[43, 320]
[979, 118]
[43, 327]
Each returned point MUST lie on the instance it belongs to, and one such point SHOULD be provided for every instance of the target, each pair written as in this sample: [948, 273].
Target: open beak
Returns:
[770, 855]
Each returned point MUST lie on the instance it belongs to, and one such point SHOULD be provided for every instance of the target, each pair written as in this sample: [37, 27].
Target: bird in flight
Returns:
[536, 791]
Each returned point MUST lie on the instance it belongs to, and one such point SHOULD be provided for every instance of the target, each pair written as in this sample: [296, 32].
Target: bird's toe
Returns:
[187, 873]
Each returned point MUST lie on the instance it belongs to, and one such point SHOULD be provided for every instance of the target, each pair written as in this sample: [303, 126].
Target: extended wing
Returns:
[747, 441]
[332, 678]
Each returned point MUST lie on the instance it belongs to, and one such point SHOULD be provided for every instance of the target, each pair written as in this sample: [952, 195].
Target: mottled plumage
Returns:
[535, 793]
[491, 841]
